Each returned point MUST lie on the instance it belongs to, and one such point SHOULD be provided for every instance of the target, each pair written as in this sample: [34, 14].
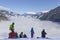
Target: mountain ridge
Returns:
[52, 15]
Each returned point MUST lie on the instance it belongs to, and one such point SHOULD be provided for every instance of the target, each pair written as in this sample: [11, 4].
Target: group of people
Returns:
[14, 34]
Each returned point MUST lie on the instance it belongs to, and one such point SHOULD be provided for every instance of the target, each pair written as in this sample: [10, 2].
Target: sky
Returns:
[23, 6]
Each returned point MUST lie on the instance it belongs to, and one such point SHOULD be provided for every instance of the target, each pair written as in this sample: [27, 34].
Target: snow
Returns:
[24, 24]
[45, 11]
[25, 39]
[32, 39]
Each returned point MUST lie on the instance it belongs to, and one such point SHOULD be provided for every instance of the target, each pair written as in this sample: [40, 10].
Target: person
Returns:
[21, 35]
[25, 36]
[43, 33]
[16, 35]
[32, 32]
[12, 34]
[12, 26]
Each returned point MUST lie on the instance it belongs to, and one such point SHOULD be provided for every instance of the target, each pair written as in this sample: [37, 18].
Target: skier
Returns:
[12, 34]
[25, 36]
[32, 32]
[21, 35]
[43, 33]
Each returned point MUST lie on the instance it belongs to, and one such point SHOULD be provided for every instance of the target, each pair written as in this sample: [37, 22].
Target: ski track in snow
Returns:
[24, 24]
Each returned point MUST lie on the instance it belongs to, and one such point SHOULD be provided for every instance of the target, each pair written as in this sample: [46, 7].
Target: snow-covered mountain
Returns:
[8, 13]
[5, 13]
[33, 14]
[52, 15]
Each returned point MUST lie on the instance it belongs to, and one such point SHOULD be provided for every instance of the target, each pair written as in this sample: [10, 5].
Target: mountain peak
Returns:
[4, 8]
[57, 8]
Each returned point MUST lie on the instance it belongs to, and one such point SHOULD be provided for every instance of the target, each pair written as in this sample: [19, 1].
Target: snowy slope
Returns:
[24, 24]
[32, 39]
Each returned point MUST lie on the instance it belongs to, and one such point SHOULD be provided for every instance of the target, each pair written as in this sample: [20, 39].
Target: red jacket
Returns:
[12, 35]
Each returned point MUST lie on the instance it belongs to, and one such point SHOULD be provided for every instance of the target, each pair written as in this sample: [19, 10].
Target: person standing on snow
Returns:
[12, 26]
[43, 33]
[32, 32]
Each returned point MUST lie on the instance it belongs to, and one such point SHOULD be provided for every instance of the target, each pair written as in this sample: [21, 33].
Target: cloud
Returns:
[31, 12]
[4, 8]
[35, 12]
[45, 11]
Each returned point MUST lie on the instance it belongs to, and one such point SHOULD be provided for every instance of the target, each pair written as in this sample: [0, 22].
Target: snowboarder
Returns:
[32, 32]
[21, 35]
[43, 33]
[25, 36]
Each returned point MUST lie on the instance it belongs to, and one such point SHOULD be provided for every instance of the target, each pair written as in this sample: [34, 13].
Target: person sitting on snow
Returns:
[25, 36]
[21, 35]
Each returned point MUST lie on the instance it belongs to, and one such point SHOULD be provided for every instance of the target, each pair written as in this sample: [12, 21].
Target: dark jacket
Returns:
[25, 36]
[21, 35]
[43, 34]
[32, 31]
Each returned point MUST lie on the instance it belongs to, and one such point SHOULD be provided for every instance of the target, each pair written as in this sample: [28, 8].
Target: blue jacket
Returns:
[32, 31]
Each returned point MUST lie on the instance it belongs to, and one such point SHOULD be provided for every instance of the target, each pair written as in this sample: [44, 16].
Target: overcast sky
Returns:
[23, 6]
